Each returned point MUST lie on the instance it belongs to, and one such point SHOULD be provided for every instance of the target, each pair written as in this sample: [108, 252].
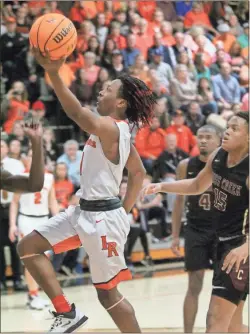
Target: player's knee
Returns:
[215, 318]
[29, 245]
[195, 289]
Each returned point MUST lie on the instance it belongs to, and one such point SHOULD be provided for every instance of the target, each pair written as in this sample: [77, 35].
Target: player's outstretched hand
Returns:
[51, 66]
[152, 188]
[176, 247]
[235, 257]
[33, 130]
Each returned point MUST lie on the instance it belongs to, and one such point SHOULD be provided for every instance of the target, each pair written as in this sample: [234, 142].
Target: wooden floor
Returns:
[157, 301]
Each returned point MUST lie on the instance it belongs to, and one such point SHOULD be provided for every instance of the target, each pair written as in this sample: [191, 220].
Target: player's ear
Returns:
[122, 103]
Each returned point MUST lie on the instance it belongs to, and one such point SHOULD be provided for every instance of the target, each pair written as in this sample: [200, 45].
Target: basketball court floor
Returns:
[157, 300]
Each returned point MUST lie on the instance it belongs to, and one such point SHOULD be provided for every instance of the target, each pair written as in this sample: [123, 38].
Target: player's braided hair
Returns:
[244, 115]
[140, 100]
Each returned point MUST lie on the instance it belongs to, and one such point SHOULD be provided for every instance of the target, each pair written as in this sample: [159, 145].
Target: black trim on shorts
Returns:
[32, 216]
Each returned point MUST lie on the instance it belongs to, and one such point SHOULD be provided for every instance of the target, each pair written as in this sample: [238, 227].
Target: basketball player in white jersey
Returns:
[100, 223]
[33, 182]
[29, 211]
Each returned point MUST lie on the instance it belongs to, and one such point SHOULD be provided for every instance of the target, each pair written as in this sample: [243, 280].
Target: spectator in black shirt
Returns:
[194, 118]
[117, 68]
[166, 164]
[13, 53]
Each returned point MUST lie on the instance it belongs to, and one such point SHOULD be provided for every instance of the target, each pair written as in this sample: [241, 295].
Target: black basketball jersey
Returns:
[199, 208]
[231, 196]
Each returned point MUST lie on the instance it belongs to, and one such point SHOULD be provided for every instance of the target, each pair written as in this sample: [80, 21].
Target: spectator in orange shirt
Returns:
[225, 36]
[15, 105]
[201, 42]
[167, 34]
[89, 8]
[75, 61]
[63, 187]
[158, 18]
[116, 36]
[197, 16]
[77, 13]
[150, 143]
[146, 9]
[144, 40]
[85, 32]
[185, 139]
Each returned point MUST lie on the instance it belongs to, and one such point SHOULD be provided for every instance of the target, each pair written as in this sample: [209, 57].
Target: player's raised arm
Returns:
[136, 174]
[33, 182]
[194, 186]
[83, 117]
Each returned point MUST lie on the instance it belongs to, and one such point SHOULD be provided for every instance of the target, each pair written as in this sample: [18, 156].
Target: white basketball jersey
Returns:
[37, 204]
[100, 178]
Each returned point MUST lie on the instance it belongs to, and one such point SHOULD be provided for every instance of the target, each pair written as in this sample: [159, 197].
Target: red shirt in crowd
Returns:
[64, 190]
[17, 110]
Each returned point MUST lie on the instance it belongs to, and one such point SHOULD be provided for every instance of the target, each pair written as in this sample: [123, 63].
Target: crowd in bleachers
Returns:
[193, 55]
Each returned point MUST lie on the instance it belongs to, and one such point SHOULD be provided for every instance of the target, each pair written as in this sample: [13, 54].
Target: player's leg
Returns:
[60, 236]
[195, 282]
[120, 310]
[220, 315]
[197, 256]
[104, 235]
[236, 325]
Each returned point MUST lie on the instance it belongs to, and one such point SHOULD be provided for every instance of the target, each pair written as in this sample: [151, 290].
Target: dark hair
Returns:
[140, 100]
[64, 164]
[210, 127]
[244, 115]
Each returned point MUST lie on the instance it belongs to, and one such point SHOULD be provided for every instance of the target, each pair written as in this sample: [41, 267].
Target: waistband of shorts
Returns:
[33, 216]
[100, 205]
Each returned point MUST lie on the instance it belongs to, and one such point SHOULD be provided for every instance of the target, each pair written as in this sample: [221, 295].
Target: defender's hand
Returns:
[13, 232]
[176, 246]
[50, 66]
[152, 188]
[33, 130]
[235, 257]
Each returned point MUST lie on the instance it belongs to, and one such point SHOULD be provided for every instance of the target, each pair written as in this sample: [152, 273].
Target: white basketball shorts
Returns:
[27, 224]
[103, 236]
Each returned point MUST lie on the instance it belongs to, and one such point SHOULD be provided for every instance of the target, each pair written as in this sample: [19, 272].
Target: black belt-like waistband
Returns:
[32, 216]
[100, 205]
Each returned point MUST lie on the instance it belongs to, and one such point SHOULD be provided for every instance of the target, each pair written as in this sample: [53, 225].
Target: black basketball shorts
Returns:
[234, 286]
[199, 248]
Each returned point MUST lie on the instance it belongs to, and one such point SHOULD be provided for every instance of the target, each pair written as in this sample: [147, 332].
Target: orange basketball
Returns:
[54, 32]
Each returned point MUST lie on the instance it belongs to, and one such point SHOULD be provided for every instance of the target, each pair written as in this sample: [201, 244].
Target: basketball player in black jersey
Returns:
[227, 169]
[199, 230]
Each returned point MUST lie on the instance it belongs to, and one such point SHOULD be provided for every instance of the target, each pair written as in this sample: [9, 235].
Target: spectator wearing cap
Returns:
[226, 87]
[38, 112]
[225, 36]
[130, 52]
[13, 52]
[167, 52]
[244, 38]
[194, 118]
[163, 70]
[117, 67]
[185, 139]
[150, 143]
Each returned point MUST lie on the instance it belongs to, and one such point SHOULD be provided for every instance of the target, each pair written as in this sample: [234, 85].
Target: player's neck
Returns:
[203, 158]
[236, 156]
